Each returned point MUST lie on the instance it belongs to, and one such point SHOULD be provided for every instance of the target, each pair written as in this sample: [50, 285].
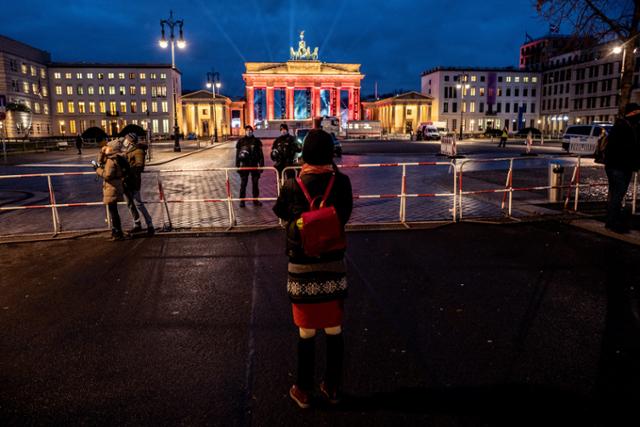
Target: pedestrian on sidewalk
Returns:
[79, 143]
[109, 168]
[284, 150]
[621, 159]
[503, 137]
[135, 152]
[249, 154]
[316, 286]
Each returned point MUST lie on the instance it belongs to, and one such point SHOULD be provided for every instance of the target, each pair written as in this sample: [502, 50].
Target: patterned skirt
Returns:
[317, 292]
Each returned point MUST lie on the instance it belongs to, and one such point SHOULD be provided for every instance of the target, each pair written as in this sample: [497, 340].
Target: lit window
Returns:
[132, 76]
[100, 76]
[101, 90]
[112, 107]
[110, 76]
[67, 76]
[70, 107]
[33, 70]
[123, 107]
[69, 90]
[534, 79]
[165, 107]
[79, 76]
[153, 76]
[92, 107]
[154, 107]
[474, 78]
[57, 75]
[143, 76]
[80, 90]
[144, 107]
[123, 90]
[44, 91]
[90, 90]
[163, 76]
[165, 125]
[143, 90]
[481, 91]
[112, 90]
[34, 88]
[103, 107]
[132, 90]
[121, 76]
[472, 107]
[72, 126]
[36, 108]
[473, 90]
[46, 108]
[43, 74]
[24, 69]
[89, 76]
[133, 107]
[25, 87]
[59, 107]
[81, 107]
[525, 79]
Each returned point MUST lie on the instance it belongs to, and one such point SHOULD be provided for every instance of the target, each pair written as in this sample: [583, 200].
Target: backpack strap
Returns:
[308, 196]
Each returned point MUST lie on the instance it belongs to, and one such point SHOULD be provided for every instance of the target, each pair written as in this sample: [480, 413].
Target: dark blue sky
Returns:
[394, 40]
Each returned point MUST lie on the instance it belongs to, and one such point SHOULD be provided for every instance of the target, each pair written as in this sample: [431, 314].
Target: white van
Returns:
[430, 133]
[583, 132]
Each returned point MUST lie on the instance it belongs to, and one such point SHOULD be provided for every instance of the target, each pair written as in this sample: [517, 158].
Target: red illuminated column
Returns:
[351, 104]
[289, 101]
[356, 103]
[270, 103]
[315, 101]
[250, 106]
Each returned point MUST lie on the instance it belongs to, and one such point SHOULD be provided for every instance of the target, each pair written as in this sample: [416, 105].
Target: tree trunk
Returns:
[626, 81]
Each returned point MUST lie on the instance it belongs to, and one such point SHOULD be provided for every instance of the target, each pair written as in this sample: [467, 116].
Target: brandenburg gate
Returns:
[301, 88]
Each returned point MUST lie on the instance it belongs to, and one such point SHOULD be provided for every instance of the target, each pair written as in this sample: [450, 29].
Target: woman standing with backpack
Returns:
[317, 283]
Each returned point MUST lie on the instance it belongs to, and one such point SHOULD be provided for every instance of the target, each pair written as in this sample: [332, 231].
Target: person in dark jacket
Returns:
[135, 153]
[621, 159]
[79, 142]
[249, 154]
[284, 150]
[316, 286]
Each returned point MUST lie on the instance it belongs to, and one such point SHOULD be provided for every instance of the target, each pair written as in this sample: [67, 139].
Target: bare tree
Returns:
[602, 20]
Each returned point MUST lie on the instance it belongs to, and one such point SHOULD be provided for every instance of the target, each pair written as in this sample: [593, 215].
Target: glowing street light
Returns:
[171, 23]
[617, 50]
[213, 82]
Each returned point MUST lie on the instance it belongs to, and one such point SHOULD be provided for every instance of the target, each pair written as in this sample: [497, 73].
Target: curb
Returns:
[594, 226]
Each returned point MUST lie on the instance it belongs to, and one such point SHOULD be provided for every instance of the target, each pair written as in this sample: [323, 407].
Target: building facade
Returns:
[301, 89]
[204, 115]
[24, 86]
[582, 87]
[481, 98]
[111, 96]
[402, 113]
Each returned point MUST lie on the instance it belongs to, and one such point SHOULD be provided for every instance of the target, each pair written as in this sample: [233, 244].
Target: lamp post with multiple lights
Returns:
[213, 83]
[164, 43]
[463, 86]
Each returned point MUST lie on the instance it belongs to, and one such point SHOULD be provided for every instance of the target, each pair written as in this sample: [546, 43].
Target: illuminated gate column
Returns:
[351, 104]
[270, 103]
[289, 102]
[250, 106]
[356, 103]
[315, 101]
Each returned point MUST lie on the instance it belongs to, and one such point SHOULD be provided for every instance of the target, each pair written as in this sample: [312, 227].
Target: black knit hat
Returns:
[317, 148]
[284, 126]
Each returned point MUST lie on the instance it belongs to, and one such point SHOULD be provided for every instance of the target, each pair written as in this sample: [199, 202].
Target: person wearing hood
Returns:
[621, 159]
[135, 154]
[109, 167]
[284, 150]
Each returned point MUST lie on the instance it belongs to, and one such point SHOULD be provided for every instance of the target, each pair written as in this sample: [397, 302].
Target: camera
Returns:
[95, 164]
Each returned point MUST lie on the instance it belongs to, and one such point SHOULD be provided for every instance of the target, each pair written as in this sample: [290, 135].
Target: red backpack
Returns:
[320, 228]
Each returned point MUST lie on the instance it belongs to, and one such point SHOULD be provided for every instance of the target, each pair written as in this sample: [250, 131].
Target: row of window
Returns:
[27, 88]
[110, 76]
[156, 91]
[517, 107]
[592, 71]
[27, 69]
[605, 101]
[507, 79]
[451, 92]
[104, 124]
[90, 107]
[35, 107]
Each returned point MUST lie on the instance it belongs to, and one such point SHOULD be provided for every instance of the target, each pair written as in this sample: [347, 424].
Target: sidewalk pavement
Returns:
[465, 324]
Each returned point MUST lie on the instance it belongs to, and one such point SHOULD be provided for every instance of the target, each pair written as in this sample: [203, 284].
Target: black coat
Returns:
[254, 147]
[623, 146]
[292, 203]
[287, 147]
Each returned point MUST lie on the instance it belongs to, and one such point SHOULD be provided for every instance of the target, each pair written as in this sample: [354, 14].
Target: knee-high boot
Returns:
[335, 356]
[306, 362]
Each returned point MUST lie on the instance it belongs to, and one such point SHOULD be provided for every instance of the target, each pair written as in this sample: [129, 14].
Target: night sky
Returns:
[394, 40]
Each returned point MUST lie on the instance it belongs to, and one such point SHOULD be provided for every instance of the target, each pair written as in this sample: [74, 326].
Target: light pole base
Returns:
[176, 141]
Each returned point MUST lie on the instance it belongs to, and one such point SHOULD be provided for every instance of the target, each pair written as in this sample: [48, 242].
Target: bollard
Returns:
[556, 175]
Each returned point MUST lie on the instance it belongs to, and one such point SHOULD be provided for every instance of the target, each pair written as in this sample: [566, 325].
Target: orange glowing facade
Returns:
[301, 89]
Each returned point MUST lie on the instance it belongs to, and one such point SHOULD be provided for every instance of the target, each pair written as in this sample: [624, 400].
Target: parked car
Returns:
[583, 132]
[524, 132]
[301, 133]
[492, 132]
[429, 133]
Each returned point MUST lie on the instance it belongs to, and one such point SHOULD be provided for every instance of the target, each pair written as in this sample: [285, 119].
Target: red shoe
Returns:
[331, 396]
[300, 397]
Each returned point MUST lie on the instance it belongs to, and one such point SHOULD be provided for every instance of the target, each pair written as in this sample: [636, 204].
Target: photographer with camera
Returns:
[249, 154]
[109, 166]
[135, 154]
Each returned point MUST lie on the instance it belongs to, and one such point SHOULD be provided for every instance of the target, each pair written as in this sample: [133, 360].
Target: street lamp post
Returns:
[462, 87]
[213, 82]
[171, 23]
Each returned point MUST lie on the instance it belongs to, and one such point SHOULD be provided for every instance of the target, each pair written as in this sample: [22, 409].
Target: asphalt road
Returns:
[462, 325]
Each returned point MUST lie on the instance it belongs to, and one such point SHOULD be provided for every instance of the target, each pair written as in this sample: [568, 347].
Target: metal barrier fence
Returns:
[209, 193]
